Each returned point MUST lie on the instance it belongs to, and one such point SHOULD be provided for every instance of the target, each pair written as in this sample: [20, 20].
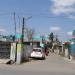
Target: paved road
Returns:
[53, 65]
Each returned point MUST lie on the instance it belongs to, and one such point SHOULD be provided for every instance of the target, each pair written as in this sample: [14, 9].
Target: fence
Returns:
[5, 48]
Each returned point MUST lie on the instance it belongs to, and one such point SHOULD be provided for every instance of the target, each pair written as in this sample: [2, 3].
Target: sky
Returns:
[56, 16]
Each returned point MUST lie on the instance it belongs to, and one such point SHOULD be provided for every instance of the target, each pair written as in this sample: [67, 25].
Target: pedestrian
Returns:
[46, 50]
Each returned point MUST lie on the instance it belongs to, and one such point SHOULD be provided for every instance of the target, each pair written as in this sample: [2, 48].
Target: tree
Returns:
[30, 33]
[51, 36]
[12, 37]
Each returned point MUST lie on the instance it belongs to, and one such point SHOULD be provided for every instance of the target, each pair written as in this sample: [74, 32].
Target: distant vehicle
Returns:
[38, 53]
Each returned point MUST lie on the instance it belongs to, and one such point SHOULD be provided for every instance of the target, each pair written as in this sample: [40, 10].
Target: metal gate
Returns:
[27, 49]
[5, 48]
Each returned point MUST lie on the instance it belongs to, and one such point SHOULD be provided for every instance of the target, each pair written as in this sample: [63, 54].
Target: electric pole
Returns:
[23, 30]
[23, 27]
[19, 25]
[15, 26]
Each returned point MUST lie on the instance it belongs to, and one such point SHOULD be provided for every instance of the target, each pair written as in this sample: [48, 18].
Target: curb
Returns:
[4, 61]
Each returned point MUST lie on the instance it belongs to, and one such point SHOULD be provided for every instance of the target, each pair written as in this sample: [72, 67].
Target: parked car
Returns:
[38, 53]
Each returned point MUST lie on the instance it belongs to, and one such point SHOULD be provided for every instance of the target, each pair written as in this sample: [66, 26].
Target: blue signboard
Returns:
[18, 36]
[37, 38]
[73, 44]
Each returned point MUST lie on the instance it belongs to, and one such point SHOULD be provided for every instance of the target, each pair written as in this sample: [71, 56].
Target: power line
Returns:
[45, 15]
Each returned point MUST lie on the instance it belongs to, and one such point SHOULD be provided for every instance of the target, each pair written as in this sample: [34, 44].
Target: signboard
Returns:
[18, 36]
[38, 38]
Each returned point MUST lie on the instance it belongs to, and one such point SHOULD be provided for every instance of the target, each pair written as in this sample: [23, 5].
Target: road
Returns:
[53, 65]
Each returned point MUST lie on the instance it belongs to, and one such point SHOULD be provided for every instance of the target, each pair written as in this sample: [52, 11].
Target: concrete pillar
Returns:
[19, 53]
[13, 52]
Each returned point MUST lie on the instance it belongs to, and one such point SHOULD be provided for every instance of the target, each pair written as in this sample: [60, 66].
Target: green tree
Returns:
[51, 36]
[30, 33]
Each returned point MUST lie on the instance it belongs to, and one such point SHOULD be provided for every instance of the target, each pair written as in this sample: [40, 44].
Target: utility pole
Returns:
[15, 25]
[19, 25]
[20, 44]
[23, 26]
[22, 40]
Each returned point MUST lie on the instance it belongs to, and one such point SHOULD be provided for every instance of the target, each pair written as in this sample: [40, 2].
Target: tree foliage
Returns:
[51, 36]
[30, 33]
